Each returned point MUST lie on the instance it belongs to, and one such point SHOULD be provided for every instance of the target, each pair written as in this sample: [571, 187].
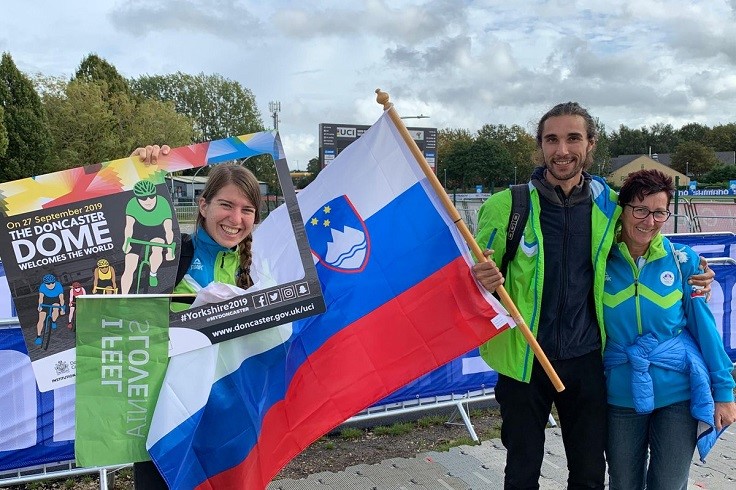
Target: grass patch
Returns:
[329, 445]
[396, 429]
[431, 421]
[482, 412]
[461, 441]
[351, 433]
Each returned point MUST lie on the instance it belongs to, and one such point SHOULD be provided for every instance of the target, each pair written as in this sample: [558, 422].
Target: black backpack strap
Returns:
[517, 221]
[185, 256]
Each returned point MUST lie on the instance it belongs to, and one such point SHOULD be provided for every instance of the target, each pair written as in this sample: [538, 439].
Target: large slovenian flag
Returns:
[401, 301]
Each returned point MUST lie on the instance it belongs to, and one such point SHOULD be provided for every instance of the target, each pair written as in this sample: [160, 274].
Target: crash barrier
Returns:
[37, 429]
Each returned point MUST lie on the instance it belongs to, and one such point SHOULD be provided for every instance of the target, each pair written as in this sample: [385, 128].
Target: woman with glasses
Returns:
[667, 373]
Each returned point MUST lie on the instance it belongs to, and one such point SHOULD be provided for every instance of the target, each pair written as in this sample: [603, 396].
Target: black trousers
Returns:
[581, 408]
[147, 477]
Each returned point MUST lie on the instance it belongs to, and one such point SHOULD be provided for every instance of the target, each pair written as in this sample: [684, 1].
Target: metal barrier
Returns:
[461, 402]
[186, 214]
[55, 471]
[431, 403]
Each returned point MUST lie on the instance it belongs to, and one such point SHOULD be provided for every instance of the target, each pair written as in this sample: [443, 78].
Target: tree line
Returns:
[50, 123]
[498, 155]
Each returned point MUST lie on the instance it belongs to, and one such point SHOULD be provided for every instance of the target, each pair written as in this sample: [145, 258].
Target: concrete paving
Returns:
[481, 467]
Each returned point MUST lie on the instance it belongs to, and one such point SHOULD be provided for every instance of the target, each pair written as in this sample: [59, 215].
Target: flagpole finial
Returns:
[382, 98]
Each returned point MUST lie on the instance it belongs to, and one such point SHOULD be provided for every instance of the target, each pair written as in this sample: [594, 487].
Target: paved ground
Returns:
[481, 467]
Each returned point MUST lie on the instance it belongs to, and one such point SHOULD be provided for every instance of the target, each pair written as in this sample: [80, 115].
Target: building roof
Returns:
[726, 157]
[643, 162]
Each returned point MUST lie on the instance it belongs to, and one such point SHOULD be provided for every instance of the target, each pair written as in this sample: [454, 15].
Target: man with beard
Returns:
[556, 280]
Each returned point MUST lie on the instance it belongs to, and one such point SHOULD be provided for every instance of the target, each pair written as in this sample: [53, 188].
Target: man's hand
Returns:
[487, 274]
[149, 154]
[703, 280]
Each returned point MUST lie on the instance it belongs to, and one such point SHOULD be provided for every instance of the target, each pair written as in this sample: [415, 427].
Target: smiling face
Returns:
[566, 150]
[638, 233]
[229, 216]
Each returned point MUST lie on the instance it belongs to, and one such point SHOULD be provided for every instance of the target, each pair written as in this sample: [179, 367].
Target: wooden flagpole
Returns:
[383, 99]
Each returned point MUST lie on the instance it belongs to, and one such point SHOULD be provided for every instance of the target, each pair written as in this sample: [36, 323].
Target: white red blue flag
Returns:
[401, 301]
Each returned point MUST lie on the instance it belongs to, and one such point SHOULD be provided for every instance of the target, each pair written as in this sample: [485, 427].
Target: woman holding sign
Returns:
[219, 250]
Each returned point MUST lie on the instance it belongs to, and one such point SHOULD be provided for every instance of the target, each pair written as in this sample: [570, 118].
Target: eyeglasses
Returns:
[640, 212]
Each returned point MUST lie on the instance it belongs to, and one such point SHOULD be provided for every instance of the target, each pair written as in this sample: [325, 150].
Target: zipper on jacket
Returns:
[562, 299]
[637, 304]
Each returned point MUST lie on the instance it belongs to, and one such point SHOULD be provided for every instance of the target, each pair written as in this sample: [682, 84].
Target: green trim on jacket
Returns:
[508, 352]
[226, 263]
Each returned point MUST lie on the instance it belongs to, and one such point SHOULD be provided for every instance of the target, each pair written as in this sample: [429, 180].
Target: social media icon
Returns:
[259, 300]
[302, 289]
[274, 297]
[288, 292]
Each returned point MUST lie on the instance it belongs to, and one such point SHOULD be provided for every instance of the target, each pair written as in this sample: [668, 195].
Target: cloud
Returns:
[225, 19]
[402, 22]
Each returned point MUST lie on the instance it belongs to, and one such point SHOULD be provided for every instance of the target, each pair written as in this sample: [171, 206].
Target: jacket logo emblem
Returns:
[667, 278]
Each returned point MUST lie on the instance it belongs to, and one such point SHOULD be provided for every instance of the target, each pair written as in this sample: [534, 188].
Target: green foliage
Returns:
[3, 133]
[662, 138]
[602, 153]
[720, 174]
[492, 163]
[431, 420]
[219, 107]
[28, 149]
[394, 430]
[722, 137]
[264, 168]
[694, 132]
[460, 441]
[481, 161]
[694, 158]
[351, 433]
[91, 125]
[627, 141]
[520, 145]
[94, 69]
[446, 140]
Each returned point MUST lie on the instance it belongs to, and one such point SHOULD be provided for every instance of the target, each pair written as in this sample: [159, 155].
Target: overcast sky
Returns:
[463, 63]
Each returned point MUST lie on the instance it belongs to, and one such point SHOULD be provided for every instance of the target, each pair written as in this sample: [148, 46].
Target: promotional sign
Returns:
[98, 230]
[110, 229]
[121, 361]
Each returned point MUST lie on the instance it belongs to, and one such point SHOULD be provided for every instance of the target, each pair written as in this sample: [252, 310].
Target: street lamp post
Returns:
[445, 178]
[514, 174]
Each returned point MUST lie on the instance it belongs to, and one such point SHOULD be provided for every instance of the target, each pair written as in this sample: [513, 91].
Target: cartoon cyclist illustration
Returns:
[76, 290]
[50, 301]
[148, 230]
[104, 279]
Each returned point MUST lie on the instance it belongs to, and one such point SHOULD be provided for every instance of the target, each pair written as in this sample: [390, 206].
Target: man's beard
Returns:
[573, 172]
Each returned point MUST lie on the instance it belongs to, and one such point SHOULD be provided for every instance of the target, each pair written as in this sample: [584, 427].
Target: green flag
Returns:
[122, 354]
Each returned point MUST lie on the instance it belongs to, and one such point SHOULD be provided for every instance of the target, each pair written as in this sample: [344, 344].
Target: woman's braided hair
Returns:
[220, 176]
